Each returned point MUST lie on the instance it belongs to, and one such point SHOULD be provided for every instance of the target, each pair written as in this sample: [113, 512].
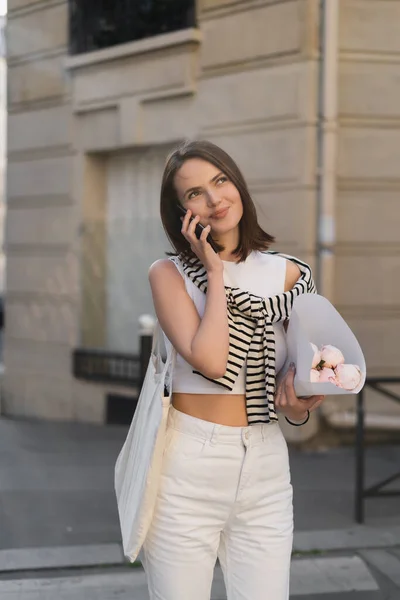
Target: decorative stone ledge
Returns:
[111, 87]
[165, 41]
[158, 67]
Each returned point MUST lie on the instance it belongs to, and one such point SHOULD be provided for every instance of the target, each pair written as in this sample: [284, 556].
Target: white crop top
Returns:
[260, 274]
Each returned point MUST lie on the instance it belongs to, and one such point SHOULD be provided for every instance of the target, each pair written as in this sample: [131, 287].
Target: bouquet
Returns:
[328, 365]
[319, 341]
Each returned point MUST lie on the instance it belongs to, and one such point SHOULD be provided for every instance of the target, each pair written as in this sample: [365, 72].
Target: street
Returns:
[60, 533]
[349, 577]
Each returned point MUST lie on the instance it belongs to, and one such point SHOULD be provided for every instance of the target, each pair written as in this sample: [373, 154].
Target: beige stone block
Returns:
[38, 31]
[158, 71]
[163, 122]
[371, 26]
[49, 398]
[368, 153]
[273, 156]
[36, 396]
[379, 340]
[40, 129]
[16, 4]
[89, 402]
[369, 90]
[93, 191]
[253, 34]
[131, 117]
[49, 176]
[369, 216]
[288, 215]
[36, 80]
[367, 281]
[44, 275]
[277, 94]
[43, 320]
[45, 226]
[265, 94]
[97, 129]
[36, 357]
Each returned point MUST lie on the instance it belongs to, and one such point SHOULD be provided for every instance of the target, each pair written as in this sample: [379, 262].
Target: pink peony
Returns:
[327, 375]
[331, 356]
[314, 375]
[348, 376]
[316, 358]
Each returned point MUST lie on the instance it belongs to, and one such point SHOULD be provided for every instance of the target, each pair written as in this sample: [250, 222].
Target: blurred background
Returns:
[305, 95]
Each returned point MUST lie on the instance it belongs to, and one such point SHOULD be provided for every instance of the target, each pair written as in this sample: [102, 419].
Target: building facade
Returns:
[3, 135]
[304, 94]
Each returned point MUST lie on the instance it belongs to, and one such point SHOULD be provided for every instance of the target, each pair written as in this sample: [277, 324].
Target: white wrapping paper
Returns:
[314, 319]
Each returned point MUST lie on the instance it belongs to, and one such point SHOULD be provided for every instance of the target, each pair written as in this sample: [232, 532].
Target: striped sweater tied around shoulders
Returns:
[251, 335]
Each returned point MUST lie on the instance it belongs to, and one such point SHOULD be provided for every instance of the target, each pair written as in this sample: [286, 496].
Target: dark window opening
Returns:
[97, 24]
[120, 409]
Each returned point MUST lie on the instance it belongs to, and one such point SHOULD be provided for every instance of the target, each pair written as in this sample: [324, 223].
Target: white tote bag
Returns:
[138, 467]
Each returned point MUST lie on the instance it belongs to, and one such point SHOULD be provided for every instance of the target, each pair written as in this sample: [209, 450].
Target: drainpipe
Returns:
[326, 173]
[327, 145]
[326, 153]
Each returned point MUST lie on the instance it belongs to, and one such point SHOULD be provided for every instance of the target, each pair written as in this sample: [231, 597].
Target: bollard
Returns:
[360, 460]
[146, 329]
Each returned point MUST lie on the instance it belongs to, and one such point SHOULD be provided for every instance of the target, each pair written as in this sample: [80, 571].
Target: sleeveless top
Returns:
[260, 274]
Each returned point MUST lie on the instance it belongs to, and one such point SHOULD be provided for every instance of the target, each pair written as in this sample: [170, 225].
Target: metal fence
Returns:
[376, 490]
[97, 24]
[103, 366]
[117, 369]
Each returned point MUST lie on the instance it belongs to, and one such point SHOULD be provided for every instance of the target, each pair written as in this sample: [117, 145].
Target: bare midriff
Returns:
[224, 409]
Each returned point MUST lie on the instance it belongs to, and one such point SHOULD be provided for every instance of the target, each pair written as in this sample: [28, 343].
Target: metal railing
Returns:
[97, 24]
[103, 366]
[118, 368]
[376, 490]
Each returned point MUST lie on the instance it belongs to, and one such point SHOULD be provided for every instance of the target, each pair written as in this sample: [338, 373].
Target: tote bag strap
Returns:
[169, 365]
[156, 345]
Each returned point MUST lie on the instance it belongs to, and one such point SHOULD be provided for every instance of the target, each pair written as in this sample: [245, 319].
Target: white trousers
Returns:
[224, 493]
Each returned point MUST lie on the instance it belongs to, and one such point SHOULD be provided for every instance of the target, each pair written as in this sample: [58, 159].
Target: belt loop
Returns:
[263, 426]
[214, 435]
[246, 436]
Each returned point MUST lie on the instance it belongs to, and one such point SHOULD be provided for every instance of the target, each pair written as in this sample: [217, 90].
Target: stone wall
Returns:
[367, 266]
[246, 81]
[43, 295]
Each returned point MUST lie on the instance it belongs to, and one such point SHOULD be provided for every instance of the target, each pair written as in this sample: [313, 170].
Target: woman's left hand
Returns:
[286, 401]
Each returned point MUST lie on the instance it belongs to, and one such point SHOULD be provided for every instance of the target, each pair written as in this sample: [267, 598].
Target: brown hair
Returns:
[251, 236]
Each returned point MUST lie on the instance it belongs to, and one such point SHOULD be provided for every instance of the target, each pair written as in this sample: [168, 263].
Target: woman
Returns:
[225, 488]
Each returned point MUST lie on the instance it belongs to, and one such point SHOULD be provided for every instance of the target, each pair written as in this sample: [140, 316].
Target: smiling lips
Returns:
[220, 214]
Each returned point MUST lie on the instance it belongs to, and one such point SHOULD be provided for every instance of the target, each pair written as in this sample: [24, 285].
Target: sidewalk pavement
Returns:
[60, 534]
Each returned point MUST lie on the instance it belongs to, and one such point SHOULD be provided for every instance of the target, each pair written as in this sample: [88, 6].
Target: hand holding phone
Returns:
[199, 229]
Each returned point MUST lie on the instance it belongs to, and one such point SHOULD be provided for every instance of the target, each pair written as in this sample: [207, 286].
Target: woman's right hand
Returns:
[202, 249]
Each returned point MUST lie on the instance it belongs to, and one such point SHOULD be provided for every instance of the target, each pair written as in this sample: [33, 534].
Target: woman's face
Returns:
[207, 192]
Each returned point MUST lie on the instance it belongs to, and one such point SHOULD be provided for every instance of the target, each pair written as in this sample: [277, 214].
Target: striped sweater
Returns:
[251, 336]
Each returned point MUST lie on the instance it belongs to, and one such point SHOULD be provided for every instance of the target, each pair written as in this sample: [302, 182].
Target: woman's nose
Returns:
[213, 198]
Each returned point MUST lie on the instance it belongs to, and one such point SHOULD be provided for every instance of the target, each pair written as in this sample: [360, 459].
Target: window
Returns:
[97, 24]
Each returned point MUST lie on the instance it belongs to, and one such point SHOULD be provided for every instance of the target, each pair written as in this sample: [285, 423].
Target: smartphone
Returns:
[199, 229]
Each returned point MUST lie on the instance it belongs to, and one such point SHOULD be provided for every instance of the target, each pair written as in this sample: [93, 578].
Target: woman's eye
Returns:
[193, 195]
[222, 179]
